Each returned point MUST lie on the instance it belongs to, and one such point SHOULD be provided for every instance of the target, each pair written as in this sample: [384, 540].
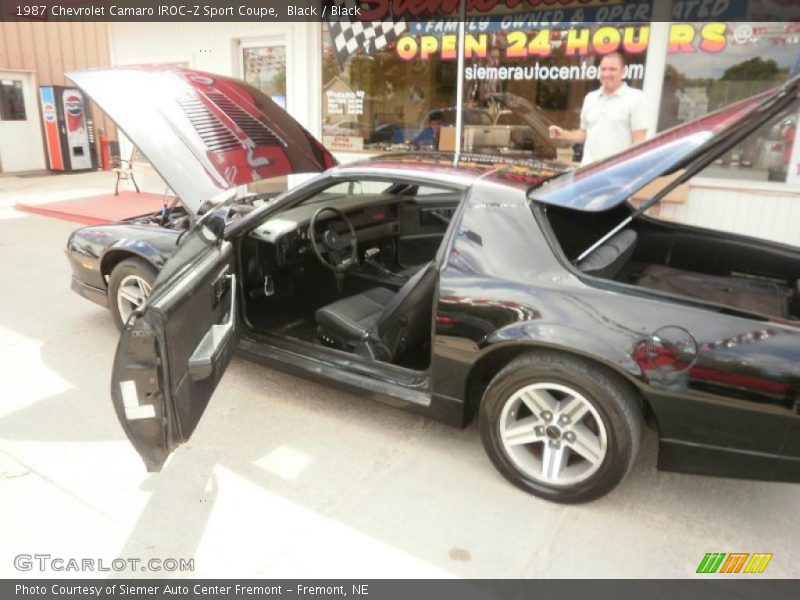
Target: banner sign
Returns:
[584, 41]
[546, 14]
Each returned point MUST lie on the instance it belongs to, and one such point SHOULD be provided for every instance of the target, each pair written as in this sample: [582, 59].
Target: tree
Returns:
[755, 69]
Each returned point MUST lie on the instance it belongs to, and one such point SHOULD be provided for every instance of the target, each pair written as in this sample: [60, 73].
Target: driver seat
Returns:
[379, 323]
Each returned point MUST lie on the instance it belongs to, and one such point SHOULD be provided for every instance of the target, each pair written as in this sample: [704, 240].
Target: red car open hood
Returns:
[203, 133]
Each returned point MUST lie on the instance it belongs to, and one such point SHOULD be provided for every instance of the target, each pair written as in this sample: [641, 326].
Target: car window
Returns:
[425, 190]
[372, 187]
[356, 188]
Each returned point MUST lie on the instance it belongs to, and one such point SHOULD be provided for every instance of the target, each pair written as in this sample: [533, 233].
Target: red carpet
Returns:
[99, 210]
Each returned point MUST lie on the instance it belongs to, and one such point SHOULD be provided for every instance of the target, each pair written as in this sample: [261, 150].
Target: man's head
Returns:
[612, 69]
[435, 120]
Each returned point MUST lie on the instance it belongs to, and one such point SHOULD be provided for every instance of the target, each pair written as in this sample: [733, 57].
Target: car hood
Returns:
[606, 183]
[203, 133]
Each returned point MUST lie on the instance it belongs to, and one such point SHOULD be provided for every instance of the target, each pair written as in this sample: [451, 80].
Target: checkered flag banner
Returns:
[370, 36]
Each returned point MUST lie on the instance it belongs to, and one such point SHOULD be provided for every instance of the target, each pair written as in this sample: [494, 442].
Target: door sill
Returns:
[397, 382]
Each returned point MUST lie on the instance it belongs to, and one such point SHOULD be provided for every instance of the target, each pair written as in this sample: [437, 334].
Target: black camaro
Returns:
[543, 303]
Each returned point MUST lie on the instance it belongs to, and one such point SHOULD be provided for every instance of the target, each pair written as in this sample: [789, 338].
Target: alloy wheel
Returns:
[132, 292]
[553, 434]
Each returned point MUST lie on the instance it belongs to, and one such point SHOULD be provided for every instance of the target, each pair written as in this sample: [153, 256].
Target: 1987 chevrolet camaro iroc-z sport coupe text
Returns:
[543, 304]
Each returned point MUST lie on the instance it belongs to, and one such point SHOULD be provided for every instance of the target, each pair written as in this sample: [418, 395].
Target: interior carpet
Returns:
[753, 295]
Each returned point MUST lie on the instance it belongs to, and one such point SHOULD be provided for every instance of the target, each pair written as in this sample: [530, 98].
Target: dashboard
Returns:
[373, 216]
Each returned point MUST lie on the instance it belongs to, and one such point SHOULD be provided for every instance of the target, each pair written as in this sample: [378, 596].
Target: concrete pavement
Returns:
[285, 478]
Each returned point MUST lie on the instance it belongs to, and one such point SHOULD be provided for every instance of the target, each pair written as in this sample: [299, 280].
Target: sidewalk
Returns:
[55, 190]
[51, 187]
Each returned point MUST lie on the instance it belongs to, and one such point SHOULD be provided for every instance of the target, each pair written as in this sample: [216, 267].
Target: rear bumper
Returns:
[96, 295]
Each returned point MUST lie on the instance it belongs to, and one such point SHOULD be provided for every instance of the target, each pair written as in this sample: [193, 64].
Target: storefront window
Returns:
[529, 79]
[375, 100]
[517, 82]
[12, 102]
[732, 61]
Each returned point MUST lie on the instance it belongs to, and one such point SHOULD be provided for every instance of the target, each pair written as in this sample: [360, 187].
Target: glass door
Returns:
[263, 65]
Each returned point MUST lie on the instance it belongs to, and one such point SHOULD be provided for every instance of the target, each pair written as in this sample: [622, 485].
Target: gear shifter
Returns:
[374, 265]
[380, 269]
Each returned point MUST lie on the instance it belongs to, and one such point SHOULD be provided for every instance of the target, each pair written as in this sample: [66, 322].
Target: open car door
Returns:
[173, 351]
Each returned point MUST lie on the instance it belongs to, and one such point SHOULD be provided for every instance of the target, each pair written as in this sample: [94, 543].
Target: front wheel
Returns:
[560, 427]
[130, 284]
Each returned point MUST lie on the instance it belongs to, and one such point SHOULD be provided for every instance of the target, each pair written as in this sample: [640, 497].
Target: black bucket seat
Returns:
[380, 323]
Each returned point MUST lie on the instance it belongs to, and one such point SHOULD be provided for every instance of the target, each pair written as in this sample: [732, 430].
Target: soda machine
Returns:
[68, 128]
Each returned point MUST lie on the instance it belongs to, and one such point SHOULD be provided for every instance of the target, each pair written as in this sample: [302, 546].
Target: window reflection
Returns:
[756, 57]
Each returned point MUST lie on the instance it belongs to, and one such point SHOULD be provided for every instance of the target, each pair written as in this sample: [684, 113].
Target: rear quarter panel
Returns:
[502, 286]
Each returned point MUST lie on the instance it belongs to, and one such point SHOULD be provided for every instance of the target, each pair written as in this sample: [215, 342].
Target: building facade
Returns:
[38, 54]
[495, 81]
[370, 98]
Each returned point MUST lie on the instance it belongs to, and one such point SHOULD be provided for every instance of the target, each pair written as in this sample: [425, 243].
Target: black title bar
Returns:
[546, 12]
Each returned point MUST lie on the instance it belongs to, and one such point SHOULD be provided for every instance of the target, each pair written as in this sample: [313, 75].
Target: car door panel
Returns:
[171, 357]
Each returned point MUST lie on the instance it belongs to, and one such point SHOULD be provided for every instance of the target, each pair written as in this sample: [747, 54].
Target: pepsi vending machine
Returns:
[68, 129]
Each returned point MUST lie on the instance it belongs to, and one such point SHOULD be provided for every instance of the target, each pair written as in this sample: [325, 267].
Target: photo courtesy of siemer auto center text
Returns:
[470, 299]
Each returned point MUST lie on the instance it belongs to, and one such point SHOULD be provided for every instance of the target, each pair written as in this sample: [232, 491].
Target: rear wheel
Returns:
[130, 284]
[560, 427]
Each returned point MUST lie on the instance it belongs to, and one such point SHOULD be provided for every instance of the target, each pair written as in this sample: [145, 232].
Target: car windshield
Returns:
[604, 184]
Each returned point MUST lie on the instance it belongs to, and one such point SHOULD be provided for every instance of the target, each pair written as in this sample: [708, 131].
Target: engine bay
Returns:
[174, 216]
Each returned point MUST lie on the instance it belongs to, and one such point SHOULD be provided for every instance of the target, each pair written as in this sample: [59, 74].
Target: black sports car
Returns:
[544, 304]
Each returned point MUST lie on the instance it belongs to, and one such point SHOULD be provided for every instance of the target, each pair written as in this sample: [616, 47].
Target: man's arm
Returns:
[639, 135]
[569, 135]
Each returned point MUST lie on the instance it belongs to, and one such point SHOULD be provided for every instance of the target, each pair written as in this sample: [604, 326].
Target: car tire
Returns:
[560, 427]
[130, 277]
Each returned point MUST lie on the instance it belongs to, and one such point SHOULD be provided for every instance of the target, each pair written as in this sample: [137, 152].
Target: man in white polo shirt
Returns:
[612, 118]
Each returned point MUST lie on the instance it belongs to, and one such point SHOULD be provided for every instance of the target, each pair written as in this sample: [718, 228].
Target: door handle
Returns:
[211, 348]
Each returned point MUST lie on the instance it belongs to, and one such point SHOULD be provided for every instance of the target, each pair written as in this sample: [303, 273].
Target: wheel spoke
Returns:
[538, 401]
[521, 432]
[574, 407]
[554, 461]
[587, 444]
[131, 294]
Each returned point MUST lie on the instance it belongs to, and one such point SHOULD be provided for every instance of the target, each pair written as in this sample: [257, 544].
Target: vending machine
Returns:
[68, 128]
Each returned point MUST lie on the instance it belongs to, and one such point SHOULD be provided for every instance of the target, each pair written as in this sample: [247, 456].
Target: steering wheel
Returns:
[333, 251]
